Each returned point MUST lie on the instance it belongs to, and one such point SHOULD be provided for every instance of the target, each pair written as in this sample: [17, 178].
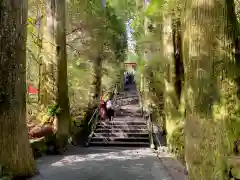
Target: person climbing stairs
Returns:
[128, 128]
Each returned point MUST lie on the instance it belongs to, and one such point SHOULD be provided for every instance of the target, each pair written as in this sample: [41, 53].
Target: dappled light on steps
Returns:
[128, 127]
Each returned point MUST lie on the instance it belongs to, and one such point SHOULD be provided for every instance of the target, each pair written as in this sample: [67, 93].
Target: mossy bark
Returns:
[95, 87]
[15, 151]
[54, 82]
[234, 133]
[97, 31]
[210, 89]
[175, 102]
[48, 71]
[172, 79]
[178, 56]
[62, 99]
[234, 32]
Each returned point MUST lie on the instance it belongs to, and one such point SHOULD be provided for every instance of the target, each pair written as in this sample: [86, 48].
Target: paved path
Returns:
[109, 163]
[95, 163]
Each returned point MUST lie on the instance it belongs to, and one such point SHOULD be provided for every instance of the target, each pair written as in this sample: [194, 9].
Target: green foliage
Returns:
[115, 50]
[123, 8]
[116, 33]
[176, 143]
[53, 109]
[89, 25]
[154, 71]
[155, 7]
[94, 29]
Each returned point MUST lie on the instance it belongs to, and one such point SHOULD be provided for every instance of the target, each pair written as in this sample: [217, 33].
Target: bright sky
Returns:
[131, 42]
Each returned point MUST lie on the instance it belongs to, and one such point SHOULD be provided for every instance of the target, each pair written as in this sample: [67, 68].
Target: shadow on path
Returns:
[103, 164]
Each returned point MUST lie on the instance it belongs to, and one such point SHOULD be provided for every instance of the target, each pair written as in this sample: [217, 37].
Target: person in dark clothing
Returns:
[110, 110]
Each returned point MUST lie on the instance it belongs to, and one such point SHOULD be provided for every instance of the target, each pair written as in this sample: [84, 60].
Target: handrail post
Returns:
[91, 125]
[151, 133]
[150, 126]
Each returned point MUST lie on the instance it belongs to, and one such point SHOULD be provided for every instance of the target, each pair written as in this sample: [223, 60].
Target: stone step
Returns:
[121, 134]
[122, 144]
[131, 117]
[119, 139]
[103, 130]
[122, 126]
[129, 123]
[121, 115]
[125, 119]
[127, 97]
[122, 103]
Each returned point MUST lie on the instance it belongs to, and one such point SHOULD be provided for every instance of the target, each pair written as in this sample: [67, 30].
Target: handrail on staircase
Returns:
[147, 116]
[92, 117]
[92, 124]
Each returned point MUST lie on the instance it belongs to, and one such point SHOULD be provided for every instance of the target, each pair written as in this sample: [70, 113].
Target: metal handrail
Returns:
[92, 117]
[150, 130]
[147, 116]
[115, 94]
[92, 124]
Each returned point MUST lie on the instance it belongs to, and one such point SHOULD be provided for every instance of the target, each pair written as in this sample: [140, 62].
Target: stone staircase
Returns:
[121, 132]
[128, 128]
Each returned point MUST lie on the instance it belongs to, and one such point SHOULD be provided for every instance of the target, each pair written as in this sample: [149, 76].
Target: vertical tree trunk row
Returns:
[48, 72]
[15, 152]
[209, 89]
[61, 81]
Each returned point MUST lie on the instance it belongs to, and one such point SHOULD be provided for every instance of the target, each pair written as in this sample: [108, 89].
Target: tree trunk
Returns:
[171, 98]
[62, 81]
[48, 69]
[97, 31]
[40, 46]
[95, 87]
[235, 35]
[54, 82]
[178, 60]
[15, 151]
[210, 89]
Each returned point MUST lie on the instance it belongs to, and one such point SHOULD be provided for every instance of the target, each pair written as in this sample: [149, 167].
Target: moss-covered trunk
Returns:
[62, 99]
[95, 88]
[155, 74]
[178, 57]
[40, 46]
[174, 99]
[48, 86]
[235, 36]
[15, 151]
[97, 30]
[199, 76]
[172, 92]
[54, 81]
[233, 126]
[210, 90]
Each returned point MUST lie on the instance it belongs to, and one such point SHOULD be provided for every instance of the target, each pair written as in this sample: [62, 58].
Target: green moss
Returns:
[176, 142]
[236, 172]
[4, 173]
